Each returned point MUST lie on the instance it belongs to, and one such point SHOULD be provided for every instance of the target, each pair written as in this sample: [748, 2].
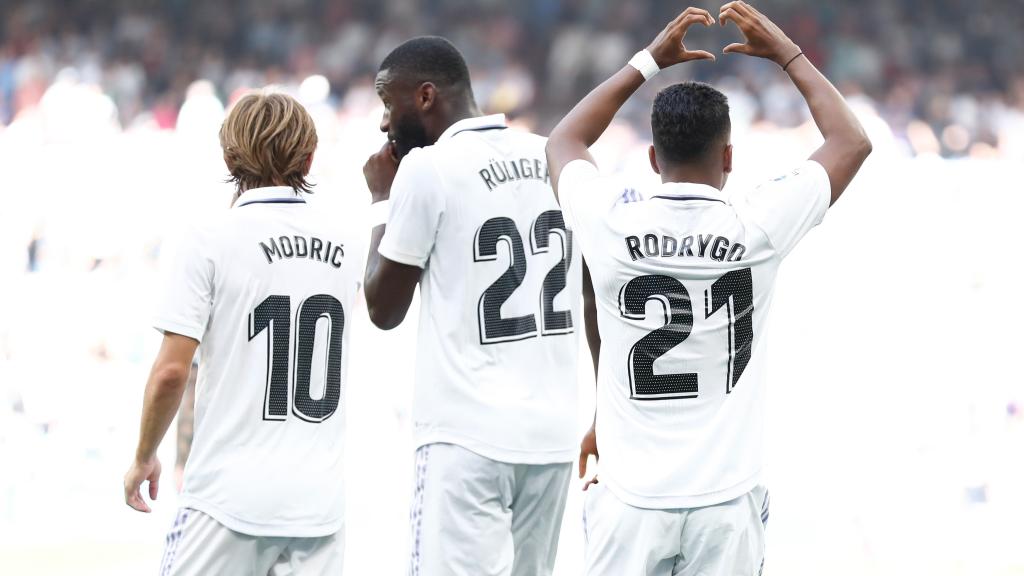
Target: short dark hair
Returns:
[428, 59]
[687, 119]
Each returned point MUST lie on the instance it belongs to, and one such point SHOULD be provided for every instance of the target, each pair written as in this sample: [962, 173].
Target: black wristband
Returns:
[791, 61]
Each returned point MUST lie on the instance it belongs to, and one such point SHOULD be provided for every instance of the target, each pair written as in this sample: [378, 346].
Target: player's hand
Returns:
[763, 38]
[148, 471]
[668, 49]
[380, 170]
[588, 447]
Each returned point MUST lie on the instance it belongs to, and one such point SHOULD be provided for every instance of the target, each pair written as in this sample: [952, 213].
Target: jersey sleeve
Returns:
[787, 207]
[417, 205]
[589, 201]
[575, 179]
[186, 295]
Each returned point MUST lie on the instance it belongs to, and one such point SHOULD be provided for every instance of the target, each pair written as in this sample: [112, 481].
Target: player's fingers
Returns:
[693, 19]
[734, 6]
[727, 16]
[135, 501]
[699, 55]
[737, 48]
[747, 9]
[589, 482]
[154, 488]
[708, 18]
[693, 10]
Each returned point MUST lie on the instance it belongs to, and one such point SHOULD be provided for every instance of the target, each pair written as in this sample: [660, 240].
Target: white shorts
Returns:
[199, 545]
[473, 516]
[726, 539]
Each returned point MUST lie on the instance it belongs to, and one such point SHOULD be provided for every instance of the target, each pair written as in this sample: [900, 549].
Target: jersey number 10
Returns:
[274, 315]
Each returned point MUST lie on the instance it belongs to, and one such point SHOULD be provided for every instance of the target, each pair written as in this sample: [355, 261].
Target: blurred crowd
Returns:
[109, 111]
[946, 75]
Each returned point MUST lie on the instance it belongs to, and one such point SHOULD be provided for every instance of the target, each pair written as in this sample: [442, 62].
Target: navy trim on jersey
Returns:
[684, 198]
[274, 201]
[480, 129]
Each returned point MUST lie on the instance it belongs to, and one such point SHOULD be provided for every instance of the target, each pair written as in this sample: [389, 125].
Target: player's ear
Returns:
[654, 159]
[727, 159]
[426, 96]
[309, 164]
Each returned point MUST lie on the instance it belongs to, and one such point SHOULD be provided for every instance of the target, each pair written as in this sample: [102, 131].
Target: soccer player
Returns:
[473, 220]
[684, 279]
[265, 288]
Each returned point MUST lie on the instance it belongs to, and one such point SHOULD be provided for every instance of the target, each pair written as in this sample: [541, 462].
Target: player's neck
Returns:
[457, 114]
[692, 175]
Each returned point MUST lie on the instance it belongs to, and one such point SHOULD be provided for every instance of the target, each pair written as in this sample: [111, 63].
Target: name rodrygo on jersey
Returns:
[684, 278]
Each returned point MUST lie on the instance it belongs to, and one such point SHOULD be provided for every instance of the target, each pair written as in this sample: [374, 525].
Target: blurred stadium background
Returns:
[896, 434]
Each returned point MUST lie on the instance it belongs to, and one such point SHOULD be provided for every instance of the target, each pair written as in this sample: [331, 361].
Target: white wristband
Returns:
[645, 64]
[379, 212]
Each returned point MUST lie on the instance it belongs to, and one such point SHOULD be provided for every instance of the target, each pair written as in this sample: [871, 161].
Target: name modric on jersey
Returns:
[294, 246]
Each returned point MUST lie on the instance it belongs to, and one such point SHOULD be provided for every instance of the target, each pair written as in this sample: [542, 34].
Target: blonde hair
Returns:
[267, 140]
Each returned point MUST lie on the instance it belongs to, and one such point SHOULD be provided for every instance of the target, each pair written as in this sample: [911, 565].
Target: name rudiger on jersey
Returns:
[296, 246]
[502, 171]
[656, 245]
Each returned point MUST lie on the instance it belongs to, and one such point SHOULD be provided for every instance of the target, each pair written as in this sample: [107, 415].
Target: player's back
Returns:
[273, 284]
[496, 367]
[684, 278]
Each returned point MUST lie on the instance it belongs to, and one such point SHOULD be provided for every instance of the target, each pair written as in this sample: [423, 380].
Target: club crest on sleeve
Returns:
[630, 195]
[795, 172]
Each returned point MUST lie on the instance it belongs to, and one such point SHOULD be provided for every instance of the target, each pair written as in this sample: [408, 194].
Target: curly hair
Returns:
[429, 59]
[268, 139]
[687, 119]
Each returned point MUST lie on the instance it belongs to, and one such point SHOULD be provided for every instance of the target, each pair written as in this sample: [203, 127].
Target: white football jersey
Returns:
[684, 279]
[500, 294]
[268, 288]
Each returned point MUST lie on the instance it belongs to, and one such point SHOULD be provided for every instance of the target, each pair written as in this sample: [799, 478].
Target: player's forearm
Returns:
[388, 286]
[164, 391]
[829, 109]
[371, 279]
[585, 123]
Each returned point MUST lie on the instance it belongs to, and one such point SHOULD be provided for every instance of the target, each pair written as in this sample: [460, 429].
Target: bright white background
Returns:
[894, 352]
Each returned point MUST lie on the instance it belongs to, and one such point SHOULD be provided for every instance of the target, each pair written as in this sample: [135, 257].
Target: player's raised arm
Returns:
[585, 123]
[846, 144]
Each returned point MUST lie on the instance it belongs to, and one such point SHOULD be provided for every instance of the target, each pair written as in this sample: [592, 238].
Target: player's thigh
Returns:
[461, 517]
[324, 555]
[726, 539]
[198, 545]
[537, 509]
[624, 540]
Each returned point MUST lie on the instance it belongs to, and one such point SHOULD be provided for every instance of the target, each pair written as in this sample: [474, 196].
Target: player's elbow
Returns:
[557, 143]
[383, 317]
[170, 376]
[862, 145]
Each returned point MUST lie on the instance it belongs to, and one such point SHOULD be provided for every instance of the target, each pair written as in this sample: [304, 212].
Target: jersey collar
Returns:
[688, 191]
[477, 124]
[269, 195]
